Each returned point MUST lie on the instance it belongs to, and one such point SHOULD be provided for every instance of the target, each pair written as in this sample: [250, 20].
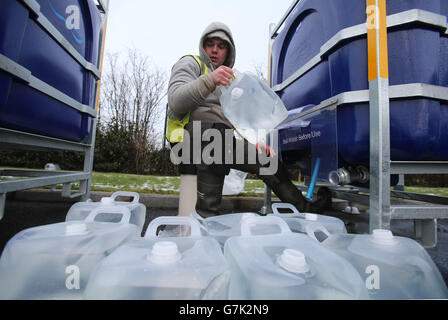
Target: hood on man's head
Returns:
[221, 31]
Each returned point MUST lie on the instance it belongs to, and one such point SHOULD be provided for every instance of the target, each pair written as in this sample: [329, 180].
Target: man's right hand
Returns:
[222, 76]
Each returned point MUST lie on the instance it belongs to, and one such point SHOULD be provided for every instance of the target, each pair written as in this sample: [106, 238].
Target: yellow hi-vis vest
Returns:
[174, 127]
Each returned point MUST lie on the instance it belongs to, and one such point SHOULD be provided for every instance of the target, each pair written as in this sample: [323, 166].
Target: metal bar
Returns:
[274, 30]
[31, 173]
[267, 197]
[30, 183]
[395, 20]
[85, 186]
[23, 74]
[419, 167]
[88, 162]
[351, 197]
[34, 7]
[421, 212]
[420, 197]
[426, 232]
[403, 91]
[379, 205]
[419, 90]
[104, 5]
[38, 142]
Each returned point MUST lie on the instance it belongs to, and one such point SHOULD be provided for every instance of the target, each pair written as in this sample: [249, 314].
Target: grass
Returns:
[155, 184]
[111, 182]
[170, 185]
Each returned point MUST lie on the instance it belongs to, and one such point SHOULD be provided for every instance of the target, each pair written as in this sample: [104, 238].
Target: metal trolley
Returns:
[12, 138]
[383, 203]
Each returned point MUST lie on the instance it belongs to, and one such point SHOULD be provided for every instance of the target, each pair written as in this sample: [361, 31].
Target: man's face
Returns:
[217, 50]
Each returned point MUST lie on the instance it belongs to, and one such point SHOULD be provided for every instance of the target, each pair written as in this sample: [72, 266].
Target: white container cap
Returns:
[383, 236]
[107, 201]
[311, 216]
[237, 93]
[76, 229]
[293, 261]
[164, 252]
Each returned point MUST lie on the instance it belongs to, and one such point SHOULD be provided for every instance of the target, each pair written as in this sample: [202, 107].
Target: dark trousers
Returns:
[212, 164]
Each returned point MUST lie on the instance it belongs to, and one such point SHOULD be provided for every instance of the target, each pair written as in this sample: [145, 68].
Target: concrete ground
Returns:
[27, 209]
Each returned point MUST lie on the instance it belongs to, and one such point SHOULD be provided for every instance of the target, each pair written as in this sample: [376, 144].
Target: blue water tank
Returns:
[28, 32]
[417, 54]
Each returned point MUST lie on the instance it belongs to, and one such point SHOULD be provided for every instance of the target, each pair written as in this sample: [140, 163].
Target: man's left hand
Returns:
[269, 151]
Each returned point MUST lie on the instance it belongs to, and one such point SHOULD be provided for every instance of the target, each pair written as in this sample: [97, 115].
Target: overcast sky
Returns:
[165, 30]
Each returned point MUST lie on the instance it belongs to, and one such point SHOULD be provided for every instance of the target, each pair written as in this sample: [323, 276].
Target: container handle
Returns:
[124, 211]
[285, 205]
[314, 227]
[201, 220]
[248, 223]
[135, 196]
[174, 221]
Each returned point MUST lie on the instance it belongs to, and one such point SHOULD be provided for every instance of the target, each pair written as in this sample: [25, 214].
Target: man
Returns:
[193, 97]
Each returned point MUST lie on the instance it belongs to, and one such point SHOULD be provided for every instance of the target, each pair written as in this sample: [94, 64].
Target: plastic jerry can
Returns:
[392, 267]
[250, 105]
[80, 210]
[170, 268]
[287, 266]
[54, 261]
[298, 221]
[224, 226]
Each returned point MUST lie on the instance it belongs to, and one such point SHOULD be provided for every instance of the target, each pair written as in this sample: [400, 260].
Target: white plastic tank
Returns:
[392, 267]
[54, 261]
[224, 226]
[80, 210]
[287, 266]
[298, 221]
[250, 105]
[168, 268]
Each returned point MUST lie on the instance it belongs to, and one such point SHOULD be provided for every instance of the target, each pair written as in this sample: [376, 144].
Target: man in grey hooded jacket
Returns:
[195, 92]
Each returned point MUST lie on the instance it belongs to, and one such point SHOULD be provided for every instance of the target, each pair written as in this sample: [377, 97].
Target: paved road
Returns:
[21, 214]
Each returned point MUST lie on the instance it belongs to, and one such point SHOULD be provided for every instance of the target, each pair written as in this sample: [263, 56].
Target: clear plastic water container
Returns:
[298, 221]
[224, 226]
[287, 266]
[54, 261]
[392, 267]
[250, 105]
[80, 210]
[163, 268]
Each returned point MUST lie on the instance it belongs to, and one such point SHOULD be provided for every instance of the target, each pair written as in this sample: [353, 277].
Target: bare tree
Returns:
[131, 96]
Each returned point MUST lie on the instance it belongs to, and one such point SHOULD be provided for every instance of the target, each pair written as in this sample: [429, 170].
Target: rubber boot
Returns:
[209, 194]
[322, 201]
[281, 185]
[187, 194]
[288, 193]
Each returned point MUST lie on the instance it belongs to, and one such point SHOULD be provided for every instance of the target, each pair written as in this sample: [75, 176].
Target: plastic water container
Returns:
[168, 268]
[224, 226]
[298, 221]
[56, 46]
[417, 53]
[54, 261]
[392, 267]
[251, 105]
[287, 266]
[80, 210]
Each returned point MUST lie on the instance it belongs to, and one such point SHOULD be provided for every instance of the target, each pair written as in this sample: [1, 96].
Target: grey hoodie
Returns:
[190, 92]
